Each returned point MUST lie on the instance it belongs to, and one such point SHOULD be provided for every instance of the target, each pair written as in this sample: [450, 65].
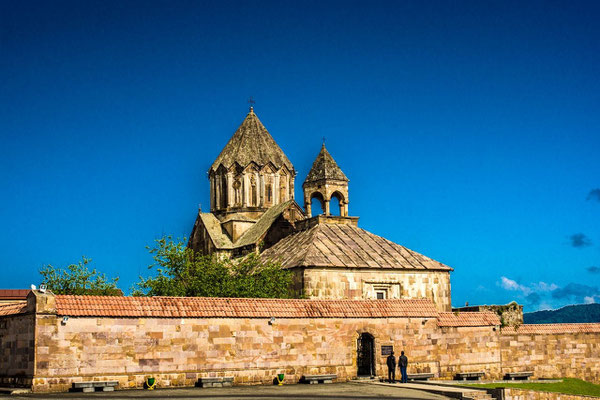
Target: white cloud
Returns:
[509, 284]
[589, 300]
[544, 287]
[540, 287]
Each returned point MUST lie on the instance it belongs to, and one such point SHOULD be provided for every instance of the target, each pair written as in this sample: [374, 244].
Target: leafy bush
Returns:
[181, 272]
[77, 279]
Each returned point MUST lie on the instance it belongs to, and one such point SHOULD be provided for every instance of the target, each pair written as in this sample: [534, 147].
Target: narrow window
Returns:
[269, 193]
[253, 195]
[223, 192]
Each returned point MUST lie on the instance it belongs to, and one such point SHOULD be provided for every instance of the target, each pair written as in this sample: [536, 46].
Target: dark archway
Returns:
[336, 204]
[317, 207]
[365, 355]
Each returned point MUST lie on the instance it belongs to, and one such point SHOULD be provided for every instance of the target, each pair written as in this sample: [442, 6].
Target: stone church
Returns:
[365, 296]
[252, 209]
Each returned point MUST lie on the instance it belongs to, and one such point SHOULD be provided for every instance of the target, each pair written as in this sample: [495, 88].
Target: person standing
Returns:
[391, 364]
[402, 364]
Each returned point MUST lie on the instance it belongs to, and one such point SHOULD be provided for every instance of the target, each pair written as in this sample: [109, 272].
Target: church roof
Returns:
[256, 231]
[213, 227]
[325, 167]
[252, 143]
[346, 246]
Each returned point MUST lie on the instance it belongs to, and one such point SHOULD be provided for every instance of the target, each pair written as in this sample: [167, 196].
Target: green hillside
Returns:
[574, 313]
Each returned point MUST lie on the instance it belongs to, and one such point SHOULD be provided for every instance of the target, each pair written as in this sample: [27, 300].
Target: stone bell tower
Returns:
[324, 182]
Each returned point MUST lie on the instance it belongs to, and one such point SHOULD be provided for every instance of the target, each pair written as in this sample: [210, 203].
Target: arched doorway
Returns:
[365, 355]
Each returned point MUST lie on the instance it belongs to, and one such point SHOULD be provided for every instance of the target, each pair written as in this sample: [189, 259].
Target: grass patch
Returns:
[567, 386]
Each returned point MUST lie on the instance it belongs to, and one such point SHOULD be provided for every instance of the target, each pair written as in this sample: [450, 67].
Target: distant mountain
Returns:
[574, 313]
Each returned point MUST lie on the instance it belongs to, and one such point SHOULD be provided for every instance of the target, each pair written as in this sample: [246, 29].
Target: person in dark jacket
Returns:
[391, 364]
[402, 364]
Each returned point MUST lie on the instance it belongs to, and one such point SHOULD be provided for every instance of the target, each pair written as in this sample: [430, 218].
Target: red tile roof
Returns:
[468, 319]
[17, 307]
[14, 294]
[207, 307]
[553, 329]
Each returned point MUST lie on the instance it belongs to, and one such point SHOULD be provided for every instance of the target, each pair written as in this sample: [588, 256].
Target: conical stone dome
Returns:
[325, 167]
[251, 175]
[252, 143]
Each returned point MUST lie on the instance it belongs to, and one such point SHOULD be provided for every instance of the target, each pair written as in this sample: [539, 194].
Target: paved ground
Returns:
[334, 391]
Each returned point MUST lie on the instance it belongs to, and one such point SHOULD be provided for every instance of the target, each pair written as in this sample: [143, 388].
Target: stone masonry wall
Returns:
[520, 394]
[360, 284]
[17, 342]
[178, 351]
[575, 355]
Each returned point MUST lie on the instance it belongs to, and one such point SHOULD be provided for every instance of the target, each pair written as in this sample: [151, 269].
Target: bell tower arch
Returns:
[324, 182]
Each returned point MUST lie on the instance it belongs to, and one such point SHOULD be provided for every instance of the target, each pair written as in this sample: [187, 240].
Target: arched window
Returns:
[253, 194]
[269, 193]
[223, 191]
[237, 191]
[335, 204]
[317, 204]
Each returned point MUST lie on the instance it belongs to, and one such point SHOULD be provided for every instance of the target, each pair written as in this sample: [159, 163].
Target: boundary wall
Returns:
[521, 394]
[53, 341]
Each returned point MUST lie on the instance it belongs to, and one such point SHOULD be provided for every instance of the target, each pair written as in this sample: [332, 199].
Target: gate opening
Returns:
[365, 355]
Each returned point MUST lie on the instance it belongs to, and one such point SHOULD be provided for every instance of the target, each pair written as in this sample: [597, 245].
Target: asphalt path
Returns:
[333, 391]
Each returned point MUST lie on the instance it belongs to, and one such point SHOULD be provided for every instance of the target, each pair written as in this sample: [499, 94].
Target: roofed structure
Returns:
[17, 307]
[251, 143]
[325, 167]
[212, 307]
[346, 246]
[210, 235]
[12, 295]
[324, 182]
[484, 318]
[253, 210]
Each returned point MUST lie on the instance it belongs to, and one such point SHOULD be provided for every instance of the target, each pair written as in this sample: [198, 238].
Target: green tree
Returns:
[181, 272]
[77, 279]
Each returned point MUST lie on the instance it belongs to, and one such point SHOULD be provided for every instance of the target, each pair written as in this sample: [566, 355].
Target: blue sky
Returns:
[470, 131]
